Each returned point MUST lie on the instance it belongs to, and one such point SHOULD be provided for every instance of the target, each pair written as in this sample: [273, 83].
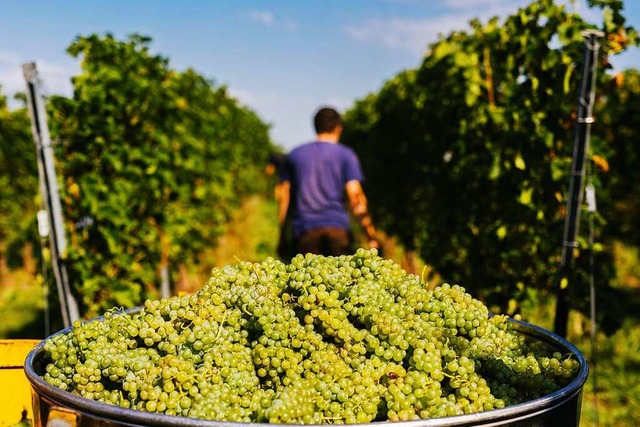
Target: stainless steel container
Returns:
[55, 407]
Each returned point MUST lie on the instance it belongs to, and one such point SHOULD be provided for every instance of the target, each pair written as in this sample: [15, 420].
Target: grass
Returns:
[612, 392]
[22, 303]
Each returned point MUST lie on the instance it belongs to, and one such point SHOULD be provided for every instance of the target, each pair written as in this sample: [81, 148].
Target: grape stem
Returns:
[424, 270]
[224, 318]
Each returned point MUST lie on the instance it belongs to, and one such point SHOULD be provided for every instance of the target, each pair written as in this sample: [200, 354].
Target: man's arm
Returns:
[358, 203]
[283, 201]
[283, 206]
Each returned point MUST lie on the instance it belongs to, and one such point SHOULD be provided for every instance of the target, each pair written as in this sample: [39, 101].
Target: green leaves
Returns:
[168, 157]
[18, 182]
[616, 154]
[476, 147]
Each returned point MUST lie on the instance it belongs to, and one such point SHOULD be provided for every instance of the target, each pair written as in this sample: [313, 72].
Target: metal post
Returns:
[49, 191]
[165, 282]
[574, 201]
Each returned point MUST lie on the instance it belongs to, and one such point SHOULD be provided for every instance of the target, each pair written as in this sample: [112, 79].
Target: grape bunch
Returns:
[322, 340]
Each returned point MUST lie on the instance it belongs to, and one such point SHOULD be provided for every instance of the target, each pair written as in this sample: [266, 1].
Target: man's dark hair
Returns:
[326, 120]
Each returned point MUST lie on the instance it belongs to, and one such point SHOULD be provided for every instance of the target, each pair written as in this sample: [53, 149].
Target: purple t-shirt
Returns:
[318, 172]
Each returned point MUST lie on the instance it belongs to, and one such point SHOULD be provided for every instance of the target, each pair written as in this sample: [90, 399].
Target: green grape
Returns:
[322, 340]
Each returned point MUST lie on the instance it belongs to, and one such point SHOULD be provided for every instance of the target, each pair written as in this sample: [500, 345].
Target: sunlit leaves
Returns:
[616, 137]
[18, 182]
[476, 146]
[158, 158]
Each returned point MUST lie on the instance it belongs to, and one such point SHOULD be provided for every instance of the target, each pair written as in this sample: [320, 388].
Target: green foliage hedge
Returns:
[18, 183]
[468, 156]
[152, 163]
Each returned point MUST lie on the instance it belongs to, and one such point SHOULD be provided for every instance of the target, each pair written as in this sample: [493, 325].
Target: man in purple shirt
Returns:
[315, 180]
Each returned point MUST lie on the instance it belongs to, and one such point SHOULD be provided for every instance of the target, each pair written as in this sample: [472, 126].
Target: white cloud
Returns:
[412, 35]
[263, 16]
[486, 8]
[340, 103]
[11, 78]
[268, 19]
[244, 97]
[591, 15]
[477, 5]
[415, 34]
[55, 77]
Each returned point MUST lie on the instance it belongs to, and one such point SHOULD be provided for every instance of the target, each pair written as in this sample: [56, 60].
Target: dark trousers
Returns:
[326, 241]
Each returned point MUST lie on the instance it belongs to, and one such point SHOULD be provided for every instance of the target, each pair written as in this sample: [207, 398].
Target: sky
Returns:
[282, 58]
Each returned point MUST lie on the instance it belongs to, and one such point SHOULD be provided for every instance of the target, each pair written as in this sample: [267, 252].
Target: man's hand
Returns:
[358, 202]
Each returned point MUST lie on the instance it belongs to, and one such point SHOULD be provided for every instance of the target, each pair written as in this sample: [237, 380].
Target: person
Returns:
[274, 167]
[316, 177]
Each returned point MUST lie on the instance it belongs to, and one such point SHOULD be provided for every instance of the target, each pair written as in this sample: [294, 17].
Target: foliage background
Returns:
[480, 139]
[153, 163]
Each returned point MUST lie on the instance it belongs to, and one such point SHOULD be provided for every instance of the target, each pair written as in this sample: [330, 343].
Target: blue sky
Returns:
[281, 58]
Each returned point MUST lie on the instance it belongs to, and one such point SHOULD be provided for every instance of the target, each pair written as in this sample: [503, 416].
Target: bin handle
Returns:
[62, 417]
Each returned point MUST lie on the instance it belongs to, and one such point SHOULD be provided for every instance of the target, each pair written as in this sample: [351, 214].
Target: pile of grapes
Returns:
[350, 339]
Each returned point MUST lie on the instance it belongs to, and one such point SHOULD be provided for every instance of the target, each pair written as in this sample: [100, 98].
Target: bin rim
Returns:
[493, 417]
